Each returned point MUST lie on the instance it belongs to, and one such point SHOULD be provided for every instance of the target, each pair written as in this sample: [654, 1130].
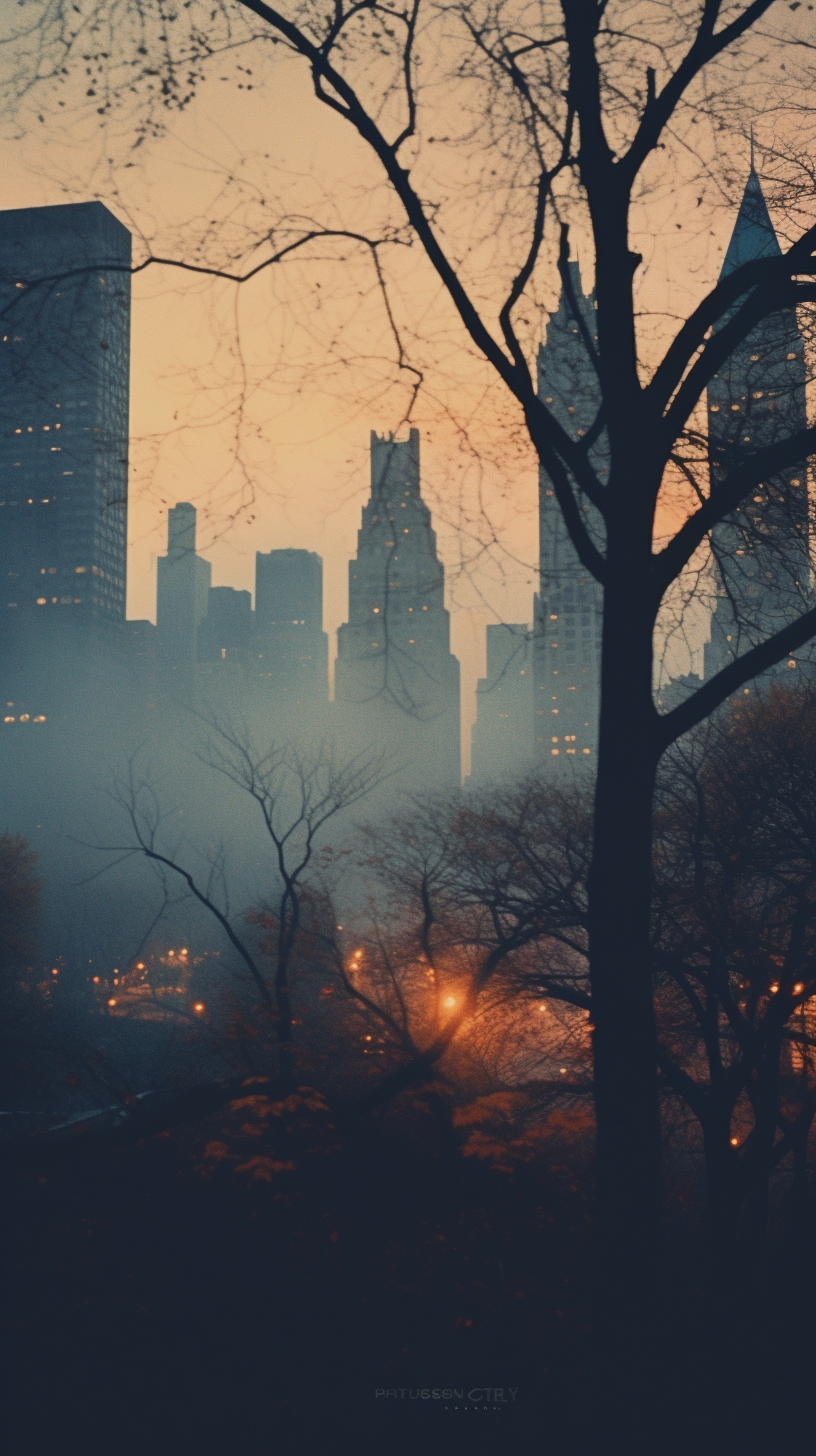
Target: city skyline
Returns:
[568, 597]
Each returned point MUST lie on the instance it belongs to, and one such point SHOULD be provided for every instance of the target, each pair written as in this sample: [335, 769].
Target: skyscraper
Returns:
[182, 597]
[290, 650]
[64, 373]
[502, 742]
[761, 552]
[570, 606]
[397, 682]
[227, 628]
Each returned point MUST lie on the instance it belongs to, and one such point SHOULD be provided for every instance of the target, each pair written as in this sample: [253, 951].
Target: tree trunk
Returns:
[628, 1147]
[283, 1002]
[723, 1189]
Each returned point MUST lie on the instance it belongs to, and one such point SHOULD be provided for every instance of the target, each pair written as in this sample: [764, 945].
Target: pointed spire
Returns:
[753, 235]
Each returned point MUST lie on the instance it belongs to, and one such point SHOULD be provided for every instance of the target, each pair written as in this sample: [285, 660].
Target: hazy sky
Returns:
[256, 402]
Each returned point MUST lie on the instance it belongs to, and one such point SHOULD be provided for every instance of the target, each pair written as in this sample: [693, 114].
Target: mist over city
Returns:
[408, 732]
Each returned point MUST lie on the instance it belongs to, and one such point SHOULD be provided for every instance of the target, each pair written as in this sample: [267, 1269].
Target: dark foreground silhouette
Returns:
[162, 1300]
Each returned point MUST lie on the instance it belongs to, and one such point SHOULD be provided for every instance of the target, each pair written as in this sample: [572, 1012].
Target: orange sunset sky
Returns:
[256, 403]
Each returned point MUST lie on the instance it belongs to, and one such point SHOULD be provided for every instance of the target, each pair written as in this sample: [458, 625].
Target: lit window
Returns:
[41, 601]
[554, 752]
[40, 718]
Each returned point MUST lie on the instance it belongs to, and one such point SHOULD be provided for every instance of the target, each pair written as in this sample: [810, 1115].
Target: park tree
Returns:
[297, 794]
[488, 137]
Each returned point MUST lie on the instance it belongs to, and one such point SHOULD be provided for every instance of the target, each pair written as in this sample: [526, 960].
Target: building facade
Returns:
[396, 679]
[502, 737]
[64, 378]
[569, 608]
[182, 599]
[761, 552]
[290, 651]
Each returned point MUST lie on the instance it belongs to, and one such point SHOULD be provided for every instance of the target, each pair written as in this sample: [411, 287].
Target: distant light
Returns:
[563, 1071]
[543, 1006]
[112, 1001]
[734, 1142]
[55, 972]
[798, 988]
[774, 987]
[449, 1001]
[366, 1038]
[199, 1006]
[183, 950]
[140, 965]
[96, 980]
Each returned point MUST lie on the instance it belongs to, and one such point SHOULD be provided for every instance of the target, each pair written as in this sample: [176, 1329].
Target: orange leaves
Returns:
[262, 1169]
[215, 1151]
[508, 1130]
[496, 1105]
[258, 1136]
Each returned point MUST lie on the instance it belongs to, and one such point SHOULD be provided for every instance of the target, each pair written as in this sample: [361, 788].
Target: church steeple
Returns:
[753, 235]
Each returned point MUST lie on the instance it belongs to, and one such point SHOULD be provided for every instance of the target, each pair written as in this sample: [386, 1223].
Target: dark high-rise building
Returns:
[64, 372]
[226, 630]
[397, 682]
[290, 650]
[570, 606]
[502, 742]
[182, 596]
[761, 552]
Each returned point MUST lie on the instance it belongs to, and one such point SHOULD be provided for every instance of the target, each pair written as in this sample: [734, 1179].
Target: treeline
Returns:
[462, 976]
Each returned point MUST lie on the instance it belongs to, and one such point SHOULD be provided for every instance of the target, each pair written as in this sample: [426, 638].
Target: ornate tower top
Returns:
[754, 235]
[394, 465]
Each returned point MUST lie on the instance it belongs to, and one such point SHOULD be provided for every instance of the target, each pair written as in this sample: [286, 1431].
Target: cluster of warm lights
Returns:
[354, 963]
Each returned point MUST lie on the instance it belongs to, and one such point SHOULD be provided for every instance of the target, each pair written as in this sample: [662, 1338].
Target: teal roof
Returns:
[753, 235]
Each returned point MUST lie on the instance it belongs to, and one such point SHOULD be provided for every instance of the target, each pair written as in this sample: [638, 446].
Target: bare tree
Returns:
[735, 919]
[297, 794]
[580, 110]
